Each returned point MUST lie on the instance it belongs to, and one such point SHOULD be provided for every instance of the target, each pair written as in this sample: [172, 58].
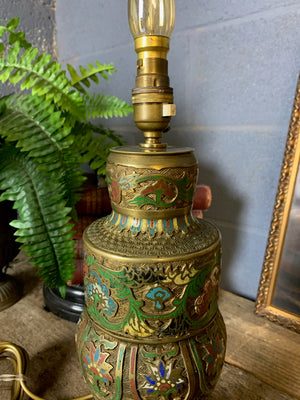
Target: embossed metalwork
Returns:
[187, 369]
[187, 233]
[150, 189]
[151, 328]
[121, 301]
[284, 196]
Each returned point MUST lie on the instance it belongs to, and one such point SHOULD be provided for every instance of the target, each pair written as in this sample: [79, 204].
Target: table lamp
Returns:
[151, 328]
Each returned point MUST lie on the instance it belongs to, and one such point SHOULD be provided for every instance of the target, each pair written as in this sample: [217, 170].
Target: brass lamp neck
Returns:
[152, 97]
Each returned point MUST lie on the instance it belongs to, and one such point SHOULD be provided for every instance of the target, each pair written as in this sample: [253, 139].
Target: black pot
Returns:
[8, 246]
[10, 289]
[69, 308]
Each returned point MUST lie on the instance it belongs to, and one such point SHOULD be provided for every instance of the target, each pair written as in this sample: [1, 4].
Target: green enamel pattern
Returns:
[208, 352]
[95, 357]
[119, 370]
[163, 191]
[131, 300]
[149, 189]
[151, 288]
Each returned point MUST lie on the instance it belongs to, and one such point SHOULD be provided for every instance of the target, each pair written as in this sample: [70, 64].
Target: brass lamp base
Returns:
[10, 291]
[151, 328]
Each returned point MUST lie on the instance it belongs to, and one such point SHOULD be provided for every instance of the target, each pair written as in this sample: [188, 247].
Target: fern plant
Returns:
[45, 136]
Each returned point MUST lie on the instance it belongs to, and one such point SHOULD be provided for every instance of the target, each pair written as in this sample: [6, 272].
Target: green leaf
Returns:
[63, 291]
[14, 36]
[2, 30]
[12, 24]
[89, 74]
[44, 77]
[53, 267]
[101, 105]
[95, 148]
[39, 130]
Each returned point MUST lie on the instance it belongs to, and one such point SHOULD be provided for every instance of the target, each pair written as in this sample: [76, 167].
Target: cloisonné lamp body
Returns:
[151, 328]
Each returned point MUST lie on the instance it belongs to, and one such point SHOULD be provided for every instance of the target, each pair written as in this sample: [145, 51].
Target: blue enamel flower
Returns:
[101, 294]
[164, 380]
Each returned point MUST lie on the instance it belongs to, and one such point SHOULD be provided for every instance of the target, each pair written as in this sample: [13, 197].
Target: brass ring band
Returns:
[152, 214]
[152, 98]
[142, 340]
[129, 157]
[152, 46]
[150, 42]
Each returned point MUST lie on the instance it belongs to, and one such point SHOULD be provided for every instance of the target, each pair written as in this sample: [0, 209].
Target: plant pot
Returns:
[93, 204]
[69, 308]
[10, 289]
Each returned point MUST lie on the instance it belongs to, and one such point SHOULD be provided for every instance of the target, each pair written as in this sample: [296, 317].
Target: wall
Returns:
[234, 67]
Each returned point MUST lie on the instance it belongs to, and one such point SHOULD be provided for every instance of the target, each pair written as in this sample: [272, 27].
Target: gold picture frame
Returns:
[278, 295]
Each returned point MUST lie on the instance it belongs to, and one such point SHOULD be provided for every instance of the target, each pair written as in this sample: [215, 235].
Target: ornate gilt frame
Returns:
[281, 213]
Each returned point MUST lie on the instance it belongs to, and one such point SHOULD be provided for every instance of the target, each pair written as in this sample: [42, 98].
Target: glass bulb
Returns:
[151, 17]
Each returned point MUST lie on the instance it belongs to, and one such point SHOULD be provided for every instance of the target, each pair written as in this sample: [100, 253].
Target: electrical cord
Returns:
[19, 358]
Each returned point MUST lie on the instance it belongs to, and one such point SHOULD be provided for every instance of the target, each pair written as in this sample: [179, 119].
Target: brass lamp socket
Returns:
[153, 97]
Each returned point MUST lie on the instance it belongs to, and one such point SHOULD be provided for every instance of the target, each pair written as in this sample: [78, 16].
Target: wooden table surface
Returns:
[262, 359]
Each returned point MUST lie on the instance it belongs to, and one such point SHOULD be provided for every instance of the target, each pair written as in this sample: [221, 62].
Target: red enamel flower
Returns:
[97, 366]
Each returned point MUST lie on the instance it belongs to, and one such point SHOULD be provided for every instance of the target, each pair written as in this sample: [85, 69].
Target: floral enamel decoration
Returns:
[99, 292]
[159, 296]
[98, 370]
[164, 380]
[214, 358]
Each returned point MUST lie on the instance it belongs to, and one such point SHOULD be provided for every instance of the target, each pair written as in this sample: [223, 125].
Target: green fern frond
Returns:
[44, 77]
[101, 105]
[40, 131]
[43, 227]
[98, 158]
[44, 139]
[14, 37]
[94, 144]
[116, 138]
[89, 74]
[83, 131]
[34, 125]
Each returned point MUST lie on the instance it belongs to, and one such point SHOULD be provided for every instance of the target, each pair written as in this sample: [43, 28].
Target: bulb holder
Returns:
[152, 97]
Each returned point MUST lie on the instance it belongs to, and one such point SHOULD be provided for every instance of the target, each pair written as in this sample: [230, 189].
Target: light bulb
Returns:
[151, 17]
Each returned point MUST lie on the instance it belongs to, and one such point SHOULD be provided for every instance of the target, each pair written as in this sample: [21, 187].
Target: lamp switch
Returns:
[169, 110]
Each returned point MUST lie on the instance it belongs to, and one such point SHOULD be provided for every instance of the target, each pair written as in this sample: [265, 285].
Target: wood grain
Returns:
[236, 384]
[265, 350]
